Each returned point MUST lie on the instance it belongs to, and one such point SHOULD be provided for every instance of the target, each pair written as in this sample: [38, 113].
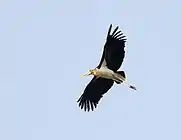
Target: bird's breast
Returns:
[105, 73]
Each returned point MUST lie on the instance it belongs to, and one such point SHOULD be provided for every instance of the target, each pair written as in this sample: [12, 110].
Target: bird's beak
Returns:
[87, 74]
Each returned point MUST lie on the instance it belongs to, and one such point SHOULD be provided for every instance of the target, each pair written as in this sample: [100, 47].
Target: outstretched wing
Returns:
[113, 53]
[94, 92]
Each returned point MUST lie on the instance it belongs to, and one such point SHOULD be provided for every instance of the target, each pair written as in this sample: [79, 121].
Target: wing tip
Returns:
[109, 30]
[87, 105]
[116, 34]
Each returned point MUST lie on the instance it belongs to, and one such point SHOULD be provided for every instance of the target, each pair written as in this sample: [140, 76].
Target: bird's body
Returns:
[103, 72]
[106, 73]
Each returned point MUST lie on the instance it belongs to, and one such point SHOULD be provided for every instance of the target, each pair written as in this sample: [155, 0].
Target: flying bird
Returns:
[106, 73]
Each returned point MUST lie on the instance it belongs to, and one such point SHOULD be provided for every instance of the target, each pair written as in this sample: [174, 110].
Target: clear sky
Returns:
[46, 45]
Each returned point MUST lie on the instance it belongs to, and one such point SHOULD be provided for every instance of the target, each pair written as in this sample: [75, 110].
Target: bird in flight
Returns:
[106, 73]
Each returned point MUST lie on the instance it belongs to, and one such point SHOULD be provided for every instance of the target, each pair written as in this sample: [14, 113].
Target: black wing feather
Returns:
[94, 92]
[117, 33]
[113, 52]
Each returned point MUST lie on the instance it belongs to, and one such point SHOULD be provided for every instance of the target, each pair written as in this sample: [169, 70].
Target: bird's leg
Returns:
[122, 79]
[130, 86]
[118, 78]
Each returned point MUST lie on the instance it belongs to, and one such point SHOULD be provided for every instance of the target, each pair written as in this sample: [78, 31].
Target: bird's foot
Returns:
[132, 87]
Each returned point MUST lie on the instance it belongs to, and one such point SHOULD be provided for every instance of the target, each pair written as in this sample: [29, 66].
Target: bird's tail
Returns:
[120, 75]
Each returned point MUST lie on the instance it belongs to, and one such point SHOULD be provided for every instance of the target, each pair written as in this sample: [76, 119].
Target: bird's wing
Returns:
[94, 92]
[113, 53]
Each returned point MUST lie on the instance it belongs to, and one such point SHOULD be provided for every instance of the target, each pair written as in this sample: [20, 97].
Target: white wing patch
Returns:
[104, 64]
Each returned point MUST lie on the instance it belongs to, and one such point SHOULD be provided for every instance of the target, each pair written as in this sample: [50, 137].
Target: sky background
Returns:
[46, 45]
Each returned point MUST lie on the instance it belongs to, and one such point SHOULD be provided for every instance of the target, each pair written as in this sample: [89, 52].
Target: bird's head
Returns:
[90, 72]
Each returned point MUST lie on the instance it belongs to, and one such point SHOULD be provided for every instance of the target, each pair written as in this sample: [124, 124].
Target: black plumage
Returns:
[113, 52]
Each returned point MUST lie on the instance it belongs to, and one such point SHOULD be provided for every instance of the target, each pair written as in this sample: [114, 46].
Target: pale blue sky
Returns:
[47, 45]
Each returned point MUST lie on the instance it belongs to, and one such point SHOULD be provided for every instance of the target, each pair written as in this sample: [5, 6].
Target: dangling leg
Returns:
[120, 79]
